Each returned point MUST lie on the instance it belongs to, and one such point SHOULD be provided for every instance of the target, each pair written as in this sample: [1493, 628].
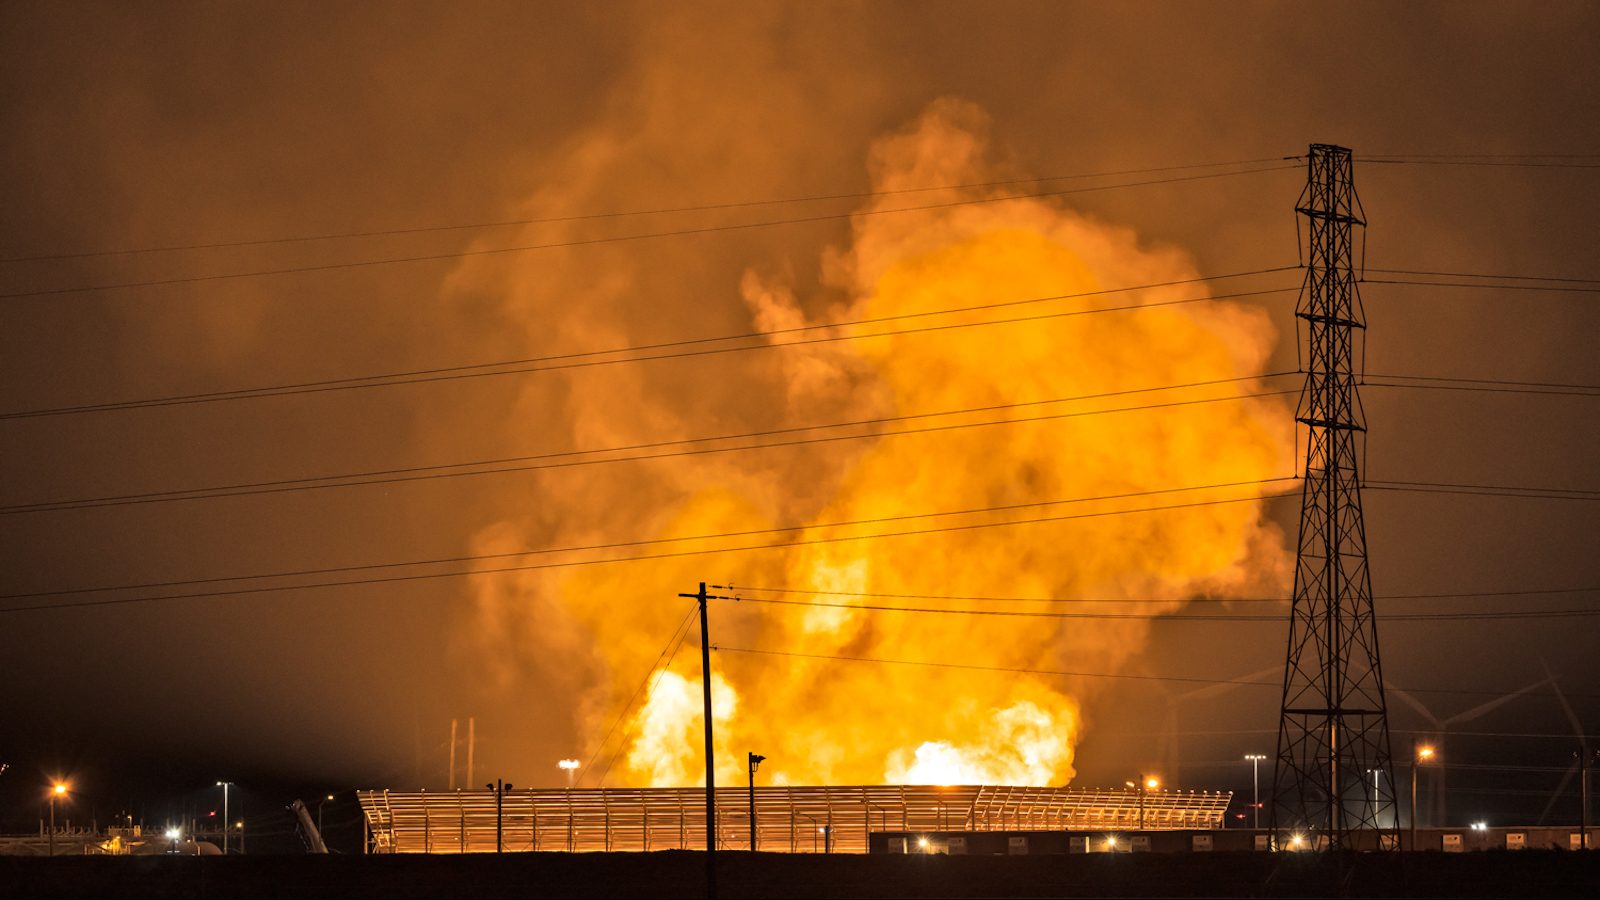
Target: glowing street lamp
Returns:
[321, 803]
[1255, 784]
[1146, 784]
[570, 766]
[59, 789]
[1419, 755]
[224, 785]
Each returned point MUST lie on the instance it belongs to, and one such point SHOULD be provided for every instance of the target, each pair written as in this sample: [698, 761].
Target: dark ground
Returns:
[675, 873]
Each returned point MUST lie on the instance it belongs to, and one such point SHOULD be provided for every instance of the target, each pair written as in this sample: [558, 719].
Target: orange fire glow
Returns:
[826, 721]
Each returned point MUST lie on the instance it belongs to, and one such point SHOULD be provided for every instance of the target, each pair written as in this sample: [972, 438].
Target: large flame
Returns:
[823, 720]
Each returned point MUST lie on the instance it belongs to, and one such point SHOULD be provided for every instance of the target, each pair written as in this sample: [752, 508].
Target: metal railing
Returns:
[806, 819]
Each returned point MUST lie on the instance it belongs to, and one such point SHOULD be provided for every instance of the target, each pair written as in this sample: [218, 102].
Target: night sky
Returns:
[245, 135]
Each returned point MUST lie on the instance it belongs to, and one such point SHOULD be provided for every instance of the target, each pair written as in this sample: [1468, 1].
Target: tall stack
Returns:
[1333, 728]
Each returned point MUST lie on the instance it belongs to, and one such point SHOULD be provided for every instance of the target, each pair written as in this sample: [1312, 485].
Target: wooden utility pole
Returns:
[711, 773]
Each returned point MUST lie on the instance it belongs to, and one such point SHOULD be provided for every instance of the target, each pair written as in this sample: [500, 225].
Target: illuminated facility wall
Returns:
[788, 819]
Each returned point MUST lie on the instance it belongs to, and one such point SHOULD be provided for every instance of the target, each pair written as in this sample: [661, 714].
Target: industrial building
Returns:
[812, 819]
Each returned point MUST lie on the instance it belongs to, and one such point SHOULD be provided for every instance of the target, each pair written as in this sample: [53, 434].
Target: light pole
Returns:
[1255, 784]
[1372, 799]
[1146, 783]
[224, 785]
[1585, 759]
[756, 760]
[320, 803]
[1419, 755]
[58, 789]
[570, 766]
[499, 787]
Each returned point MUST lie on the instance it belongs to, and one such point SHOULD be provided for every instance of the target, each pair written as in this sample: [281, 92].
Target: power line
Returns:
[538, 364]
[1018, 670]
[1555, 384]
[1483, 275]
[704, 207]
[434, 472]
[1557, 493]
[582, 242]
[672, 644]
[1487, 287]
[643, 557]
[1483, 389]
[1480, 162]
[1456, 595]
[1014, 670]
[633, 721]
[721, 535]
[565, 361]
[1449, 732]
[1524, 495]
[1494, 382]
[1480, 156]
[646, 542]
[572, 564]
[1178, 617]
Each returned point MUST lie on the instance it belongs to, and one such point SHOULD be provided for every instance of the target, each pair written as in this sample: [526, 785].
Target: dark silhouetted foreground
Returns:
[675, 873]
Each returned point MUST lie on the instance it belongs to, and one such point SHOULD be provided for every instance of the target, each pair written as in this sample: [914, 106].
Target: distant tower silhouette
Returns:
[1334, 725]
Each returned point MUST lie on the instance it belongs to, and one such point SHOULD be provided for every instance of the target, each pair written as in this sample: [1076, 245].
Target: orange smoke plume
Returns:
[595, 629]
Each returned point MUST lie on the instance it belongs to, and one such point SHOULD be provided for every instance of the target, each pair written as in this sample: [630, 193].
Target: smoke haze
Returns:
[154, 126]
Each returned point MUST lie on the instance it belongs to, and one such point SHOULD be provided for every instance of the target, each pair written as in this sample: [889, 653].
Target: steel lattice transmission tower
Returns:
[1333, 731]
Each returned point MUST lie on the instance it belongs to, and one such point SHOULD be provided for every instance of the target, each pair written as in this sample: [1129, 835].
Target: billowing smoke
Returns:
[591, 633]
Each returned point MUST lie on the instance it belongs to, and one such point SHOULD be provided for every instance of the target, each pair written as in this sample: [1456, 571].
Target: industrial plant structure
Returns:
[821, 819]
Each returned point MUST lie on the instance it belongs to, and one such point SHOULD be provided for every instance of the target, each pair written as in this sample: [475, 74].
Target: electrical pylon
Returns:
[1333, 730]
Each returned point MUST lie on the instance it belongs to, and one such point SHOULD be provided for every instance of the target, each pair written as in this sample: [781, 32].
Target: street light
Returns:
[59, 789]
[1146, 783]
[570, 766]
[1586, 759]
[1419, 755]
[1255, 784]
[1374, 804]
[756, 760]
[224, 785]
[320, 803]
[499, 786]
